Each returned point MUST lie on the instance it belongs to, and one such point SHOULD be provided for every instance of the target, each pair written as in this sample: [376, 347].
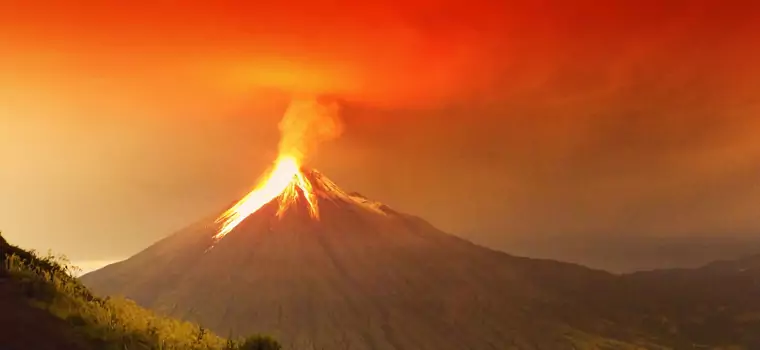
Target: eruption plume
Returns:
[306, 123]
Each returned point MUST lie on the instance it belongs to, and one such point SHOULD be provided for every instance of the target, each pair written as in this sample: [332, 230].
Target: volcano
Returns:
[361, 275]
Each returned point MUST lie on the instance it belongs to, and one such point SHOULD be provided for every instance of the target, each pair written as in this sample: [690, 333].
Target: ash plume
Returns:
[308, 121]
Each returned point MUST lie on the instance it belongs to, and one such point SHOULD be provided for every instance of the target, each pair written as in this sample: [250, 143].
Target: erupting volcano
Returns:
[362, 276]
[306, 123]
[318, 267]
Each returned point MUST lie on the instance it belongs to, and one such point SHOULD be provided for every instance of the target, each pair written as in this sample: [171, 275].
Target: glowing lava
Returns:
[306, 123]
[283, 181]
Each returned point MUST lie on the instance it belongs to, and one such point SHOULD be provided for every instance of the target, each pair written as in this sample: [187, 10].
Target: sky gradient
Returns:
[495, 121]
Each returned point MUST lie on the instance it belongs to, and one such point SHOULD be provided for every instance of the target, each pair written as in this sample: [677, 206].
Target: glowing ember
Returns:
[306, 122]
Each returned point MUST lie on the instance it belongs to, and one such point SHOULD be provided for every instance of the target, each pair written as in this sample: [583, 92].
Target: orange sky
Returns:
[363, 51]
[123, 122]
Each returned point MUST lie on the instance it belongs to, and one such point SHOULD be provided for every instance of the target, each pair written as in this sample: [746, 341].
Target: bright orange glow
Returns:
[306, 123]
[283, 181]
[290, 195]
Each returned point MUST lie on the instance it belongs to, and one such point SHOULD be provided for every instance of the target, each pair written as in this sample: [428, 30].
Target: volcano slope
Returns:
[364, 276]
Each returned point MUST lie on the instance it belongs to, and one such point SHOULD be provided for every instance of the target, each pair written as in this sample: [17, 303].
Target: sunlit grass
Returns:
[107, 323]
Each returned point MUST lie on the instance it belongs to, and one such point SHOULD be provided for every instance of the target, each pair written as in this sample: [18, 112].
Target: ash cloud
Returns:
[308, 121]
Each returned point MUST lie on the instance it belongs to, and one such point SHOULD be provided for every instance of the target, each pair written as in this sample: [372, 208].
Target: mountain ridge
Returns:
[366, 275]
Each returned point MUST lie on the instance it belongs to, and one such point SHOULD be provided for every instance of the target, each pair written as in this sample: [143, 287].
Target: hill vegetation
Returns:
[46, 308]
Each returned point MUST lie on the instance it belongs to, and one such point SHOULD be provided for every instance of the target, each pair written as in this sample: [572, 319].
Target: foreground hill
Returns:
[43, 308]
[364, 276]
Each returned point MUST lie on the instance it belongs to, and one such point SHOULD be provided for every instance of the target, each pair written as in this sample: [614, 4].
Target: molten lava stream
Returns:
[283, 181]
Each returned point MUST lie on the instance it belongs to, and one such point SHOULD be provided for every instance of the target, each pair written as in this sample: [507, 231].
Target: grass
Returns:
[47, 283]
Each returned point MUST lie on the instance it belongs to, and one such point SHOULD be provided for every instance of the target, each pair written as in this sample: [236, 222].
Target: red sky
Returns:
[368, 50]
[619, 117]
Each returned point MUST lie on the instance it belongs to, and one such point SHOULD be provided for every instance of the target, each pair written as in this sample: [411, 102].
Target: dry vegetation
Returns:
[46, 283]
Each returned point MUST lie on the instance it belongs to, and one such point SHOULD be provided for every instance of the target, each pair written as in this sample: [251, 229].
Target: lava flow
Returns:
[306, 123]
[282, 181]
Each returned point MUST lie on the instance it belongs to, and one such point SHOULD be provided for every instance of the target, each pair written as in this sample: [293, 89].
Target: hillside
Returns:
[717, 304]
[364, 276]
[44, 308]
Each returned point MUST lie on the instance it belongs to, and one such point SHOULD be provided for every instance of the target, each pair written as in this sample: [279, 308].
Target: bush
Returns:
[259, 342]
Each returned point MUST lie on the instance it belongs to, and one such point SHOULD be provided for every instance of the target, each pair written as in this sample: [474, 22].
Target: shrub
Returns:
[259, 342]
[108, 323]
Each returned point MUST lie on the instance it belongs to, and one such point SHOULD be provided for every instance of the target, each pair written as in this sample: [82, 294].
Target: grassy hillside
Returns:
[44, 307]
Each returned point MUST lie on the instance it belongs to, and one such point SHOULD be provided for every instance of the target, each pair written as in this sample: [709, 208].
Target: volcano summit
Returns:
[361, 275]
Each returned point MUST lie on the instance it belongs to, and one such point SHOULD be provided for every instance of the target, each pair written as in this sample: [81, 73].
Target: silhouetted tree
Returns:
[260, 342]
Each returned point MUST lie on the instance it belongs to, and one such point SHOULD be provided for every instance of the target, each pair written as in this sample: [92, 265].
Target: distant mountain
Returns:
[628, 253]
[364, 276]
[718, 303]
